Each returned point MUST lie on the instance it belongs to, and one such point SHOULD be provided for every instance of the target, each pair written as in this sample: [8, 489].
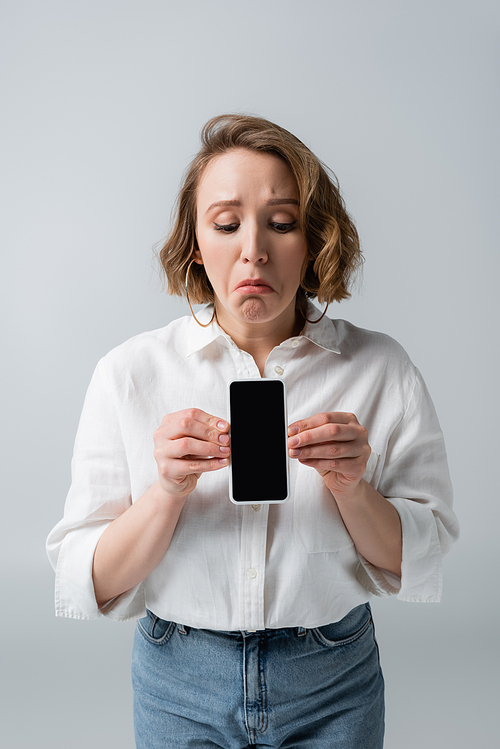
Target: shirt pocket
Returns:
[317, 523]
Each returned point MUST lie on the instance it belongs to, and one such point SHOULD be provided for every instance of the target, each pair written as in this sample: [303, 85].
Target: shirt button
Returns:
[279, 370]
[252, 573]
[295, 342]
[256, 507]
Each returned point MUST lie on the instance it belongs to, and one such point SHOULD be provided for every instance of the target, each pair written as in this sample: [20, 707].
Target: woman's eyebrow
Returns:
[283, 201]
[273, 201]
[223, 203]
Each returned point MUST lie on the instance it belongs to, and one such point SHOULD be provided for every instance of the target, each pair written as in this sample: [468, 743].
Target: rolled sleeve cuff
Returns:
[74, 591]
[421, 569]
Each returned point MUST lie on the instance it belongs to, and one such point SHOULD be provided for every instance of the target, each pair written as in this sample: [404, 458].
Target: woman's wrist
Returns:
[166, 498]
[353, 493]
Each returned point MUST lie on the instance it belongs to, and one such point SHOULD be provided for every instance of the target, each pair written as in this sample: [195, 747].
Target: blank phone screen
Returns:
[258, 441]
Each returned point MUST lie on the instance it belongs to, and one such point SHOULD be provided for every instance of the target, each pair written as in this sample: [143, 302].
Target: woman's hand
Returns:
[187, 444]
[335, 444]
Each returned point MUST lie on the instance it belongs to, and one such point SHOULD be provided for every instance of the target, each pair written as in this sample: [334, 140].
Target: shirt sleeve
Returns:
[415, 479]
[99, 493]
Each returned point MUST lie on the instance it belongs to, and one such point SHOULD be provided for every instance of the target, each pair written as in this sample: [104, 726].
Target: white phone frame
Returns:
[287, 459]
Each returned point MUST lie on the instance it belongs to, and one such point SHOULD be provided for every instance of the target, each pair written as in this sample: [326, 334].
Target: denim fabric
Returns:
[316, 688]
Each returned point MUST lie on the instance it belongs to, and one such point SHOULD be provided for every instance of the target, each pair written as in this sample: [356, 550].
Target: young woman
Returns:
[255, 627]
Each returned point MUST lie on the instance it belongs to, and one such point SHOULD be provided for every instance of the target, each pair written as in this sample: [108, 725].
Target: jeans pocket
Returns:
[347, 630]
[155, 630]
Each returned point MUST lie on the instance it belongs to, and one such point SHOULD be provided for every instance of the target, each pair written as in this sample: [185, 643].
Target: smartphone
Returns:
[259, 453]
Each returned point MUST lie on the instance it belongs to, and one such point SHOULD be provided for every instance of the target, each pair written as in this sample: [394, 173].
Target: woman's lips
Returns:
[254, 286]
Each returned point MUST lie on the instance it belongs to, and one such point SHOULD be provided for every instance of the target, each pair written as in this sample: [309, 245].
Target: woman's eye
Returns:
[283, 228]
[227, 228]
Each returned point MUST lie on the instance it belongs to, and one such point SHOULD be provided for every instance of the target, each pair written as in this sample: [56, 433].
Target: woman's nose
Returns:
[253, 248]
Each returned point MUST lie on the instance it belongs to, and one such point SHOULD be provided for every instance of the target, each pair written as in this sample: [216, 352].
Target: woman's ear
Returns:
[196, 256]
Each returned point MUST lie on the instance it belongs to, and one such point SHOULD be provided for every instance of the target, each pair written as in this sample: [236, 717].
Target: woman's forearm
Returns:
[188, 443]
[134, 544]
[374, 526]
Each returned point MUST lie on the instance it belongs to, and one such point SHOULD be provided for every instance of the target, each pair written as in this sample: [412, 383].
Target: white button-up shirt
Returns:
[249, 567]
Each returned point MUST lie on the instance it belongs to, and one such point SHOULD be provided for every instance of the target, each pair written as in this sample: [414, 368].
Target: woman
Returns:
[255, 624]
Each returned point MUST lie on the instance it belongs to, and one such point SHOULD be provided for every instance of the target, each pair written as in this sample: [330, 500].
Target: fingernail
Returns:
[224, 461]
[225, 450]
[293, 441]
[293, 430]
[221, 424]
[224, 439]
[294, 453]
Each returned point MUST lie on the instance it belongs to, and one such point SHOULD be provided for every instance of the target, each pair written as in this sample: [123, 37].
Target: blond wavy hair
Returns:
[333, 251]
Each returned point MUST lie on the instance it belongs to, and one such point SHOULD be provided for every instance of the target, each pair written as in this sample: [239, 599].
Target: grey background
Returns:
[102, 103]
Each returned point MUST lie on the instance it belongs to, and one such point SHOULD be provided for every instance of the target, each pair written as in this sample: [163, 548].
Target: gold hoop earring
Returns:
[202, 325]
[313, 322]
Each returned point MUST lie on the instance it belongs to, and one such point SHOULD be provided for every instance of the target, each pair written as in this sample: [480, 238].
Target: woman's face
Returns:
[249, 238]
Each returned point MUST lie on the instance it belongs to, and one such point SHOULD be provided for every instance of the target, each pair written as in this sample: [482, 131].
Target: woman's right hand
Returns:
[187, 444]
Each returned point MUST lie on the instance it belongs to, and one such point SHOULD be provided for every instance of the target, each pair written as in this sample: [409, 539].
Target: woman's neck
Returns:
[259, 339]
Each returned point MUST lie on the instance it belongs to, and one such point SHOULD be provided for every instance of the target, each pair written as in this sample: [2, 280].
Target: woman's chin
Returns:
[254, 310]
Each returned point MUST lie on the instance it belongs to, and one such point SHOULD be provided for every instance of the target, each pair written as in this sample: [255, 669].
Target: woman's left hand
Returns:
[335, 444]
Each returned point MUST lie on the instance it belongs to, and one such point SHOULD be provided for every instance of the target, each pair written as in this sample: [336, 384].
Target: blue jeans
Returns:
[316, 688]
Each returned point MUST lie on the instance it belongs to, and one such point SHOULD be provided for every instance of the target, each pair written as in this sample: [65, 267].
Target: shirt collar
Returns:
[198, 337]
[322, 334]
